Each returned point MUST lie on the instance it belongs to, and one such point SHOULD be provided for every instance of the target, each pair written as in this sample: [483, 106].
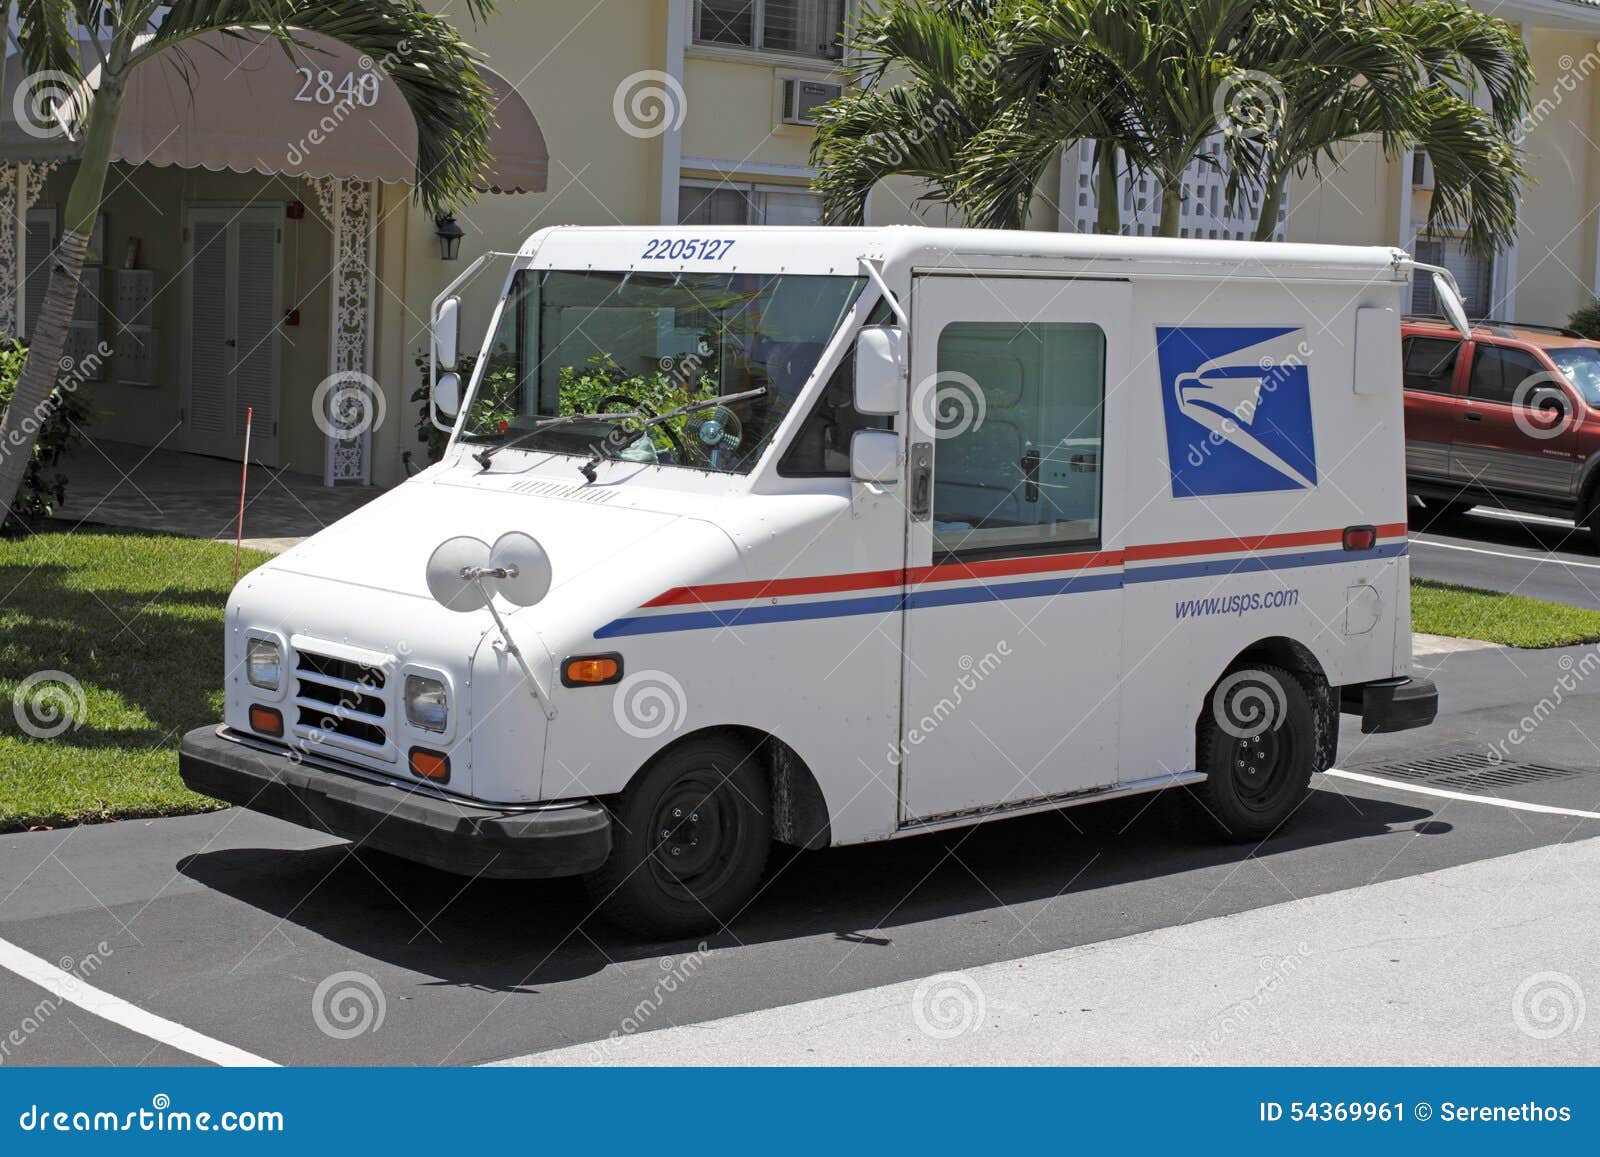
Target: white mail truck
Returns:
[819, 536]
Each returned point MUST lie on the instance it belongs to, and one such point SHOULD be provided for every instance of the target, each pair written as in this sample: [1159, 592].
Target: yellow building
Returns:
[260, 247]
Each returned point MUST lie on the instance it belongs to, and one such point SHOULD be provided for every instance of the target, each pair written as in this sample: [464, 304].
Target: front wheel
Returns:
[1257, 744]
[689, 841]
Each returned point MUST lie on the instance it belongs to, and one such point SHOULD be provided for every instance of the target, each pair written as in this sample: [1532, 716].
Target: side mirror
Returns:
[1444, 288]
[880, 369]
[875, 456]
[447, 333]
[447, 394]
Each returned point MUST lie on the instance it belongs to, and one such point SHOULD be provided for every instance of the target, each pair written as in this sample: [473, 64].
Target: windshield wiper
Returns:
[606, 450]
[486, 456]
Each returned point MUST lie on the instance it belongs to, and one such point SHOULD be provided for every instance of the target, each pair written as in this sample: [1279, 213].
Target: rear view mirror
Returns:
[880, 369]
[1444, 288]
[447, 333]
[875, 456]
[447, 394]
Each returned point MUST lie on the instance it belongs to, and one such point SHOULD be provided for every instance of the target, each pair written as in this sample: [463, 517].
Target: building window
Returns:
[724, 203]
[799, 27]
[1474, 274]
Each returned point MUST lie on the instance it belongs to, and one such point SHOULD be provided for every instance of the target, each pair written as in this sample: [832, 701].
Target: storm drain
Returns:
[1471, 771]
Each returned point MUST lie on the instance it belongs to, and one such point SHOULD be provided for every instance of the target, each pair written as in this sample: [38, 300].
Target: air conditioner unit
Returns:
[1421, 170]
[802, 97]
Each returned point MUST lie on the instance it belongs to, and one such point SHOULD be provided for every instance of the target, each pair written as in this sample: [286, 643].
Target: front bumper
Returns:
[460, 836]
[1391, 704]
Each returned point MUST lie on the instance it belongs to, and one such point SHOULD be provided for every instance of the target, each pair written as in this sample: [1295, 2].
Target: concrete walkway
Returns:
[1488, 963]
[115, 484]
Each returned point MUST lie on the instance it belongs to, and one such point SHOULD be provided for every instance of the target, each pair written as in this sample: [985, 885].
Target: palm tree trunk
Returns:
[1108, 190]
[1171, 206]
[1271, 202]
[30, 403]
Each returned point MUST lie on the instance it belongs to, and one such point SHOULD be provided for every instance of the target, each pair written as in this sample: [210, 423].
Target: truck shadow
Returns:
[514, 936]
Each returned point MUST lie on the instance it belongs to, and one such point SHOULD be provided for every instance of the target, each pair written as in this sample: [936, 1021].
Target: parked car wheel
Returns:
[1256, 744]
[690, 837]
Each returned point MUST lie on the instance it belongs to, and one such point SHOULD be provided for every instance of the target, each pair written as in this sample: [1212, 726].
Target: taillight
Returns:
[1360, 537]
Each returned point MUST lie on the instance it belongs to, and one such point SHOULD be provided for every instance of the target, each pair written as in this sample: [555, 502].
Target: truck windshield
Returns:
[1581, 365]
[592, 342]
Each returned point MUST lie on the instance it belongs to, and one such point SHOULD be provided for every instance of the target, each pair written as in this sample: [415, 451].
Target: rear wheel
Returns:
[690, 838]
[1257, 745]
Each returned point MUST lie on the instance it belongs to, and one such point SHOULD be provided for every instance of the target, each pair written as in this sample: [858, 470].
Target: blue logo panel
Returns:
[1237, 404]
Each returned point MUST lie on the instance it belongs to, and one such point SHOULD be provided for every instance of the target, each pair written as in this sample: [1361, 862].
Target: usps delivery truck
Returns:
[820, 536]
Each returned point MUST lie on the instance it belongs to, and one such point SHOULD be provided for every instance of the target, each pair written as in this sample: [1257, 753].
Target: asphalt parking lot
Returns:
[263, 940]
[1543, 558]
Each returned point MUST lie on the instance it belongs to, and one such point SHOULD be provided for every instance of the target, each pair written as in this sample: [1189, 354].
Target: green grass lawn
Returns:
[1517, 621]
[136, 621]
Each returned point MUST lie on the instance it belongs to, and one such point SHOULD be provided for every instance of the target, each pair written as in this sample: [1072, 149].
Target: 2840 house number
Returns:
[323, 86]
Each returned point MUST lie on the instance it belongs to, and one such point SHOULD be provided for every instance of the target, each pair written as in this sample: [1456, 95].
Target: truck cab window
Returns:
[1019, 469]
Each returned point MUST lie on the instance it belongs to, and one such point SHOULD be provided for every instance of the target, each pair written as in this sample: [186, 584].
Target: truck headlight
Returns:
[263, 661]
[427, 703]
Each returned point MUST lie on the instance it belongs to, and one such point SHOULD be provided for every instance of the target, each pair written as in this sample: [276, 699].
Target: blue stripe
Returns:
[982, 593]
[1255, 563]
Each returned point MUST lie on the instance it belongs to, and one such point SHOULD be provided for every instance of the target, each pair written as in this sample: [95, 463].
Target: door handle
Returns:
[1470, 416]
[921, 481]
[1030, 474]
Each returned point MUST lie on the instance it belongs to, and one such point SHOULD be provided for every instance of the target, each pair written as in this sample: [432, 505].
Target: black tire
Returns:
[1257, 744]
[690, 837]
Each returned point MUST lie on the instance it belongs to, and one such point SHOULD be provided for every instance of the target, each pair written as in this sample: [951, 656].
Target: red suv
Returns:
[1510, 419]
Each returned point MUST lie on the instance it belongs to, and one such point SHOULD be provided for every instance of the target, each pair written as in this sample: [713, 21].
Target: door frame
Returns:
[264, 445]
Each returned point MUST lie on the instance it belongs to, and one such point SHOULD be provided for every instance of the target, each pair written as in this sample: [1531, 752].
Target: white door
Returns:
[1013, 604]
[233, 266]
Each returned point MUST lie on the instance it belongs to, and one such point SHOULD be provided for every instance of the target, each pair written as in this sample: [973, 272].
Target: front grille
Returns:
[341, 702]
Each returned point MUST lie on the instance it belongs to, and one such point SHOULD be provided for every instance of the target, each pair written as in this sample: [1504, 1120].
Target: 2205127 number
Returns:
[686, 248]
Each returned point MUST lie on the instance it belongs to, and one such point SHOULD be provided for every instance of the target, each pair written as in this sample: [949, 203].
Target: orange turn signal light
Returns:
[266, 720]
[430, 765]
[591, 670]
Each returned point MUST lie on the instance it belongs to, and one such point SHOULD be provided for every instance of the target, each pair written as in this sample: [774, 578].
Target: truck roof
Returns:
[816, 249]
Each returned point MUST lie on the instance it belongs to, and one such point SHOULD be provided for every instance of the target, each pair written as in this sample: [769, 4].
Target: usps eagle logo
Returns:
[1237, 402]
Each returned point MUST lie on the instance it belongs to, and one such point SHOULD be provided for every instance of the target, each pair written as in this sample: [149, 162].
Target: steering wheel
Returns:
[640, 407]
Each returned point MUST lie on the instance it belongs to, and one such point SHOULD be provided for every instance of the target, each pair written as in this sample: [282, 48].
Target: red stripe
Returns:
[1034, 564]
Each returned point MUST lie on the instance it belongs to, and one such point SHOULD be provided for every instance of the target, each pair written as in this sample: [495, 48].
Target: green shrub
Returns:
[58, 429]
[1587, 321]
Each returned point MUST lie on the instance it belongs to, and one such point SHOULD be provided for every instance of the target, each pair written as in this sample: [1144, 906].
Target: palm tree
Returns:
[429, 63]
[1400, 72]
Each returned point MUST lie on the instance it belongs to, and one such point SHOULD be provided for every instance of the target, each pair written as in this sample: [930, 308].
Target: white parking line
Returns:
[1423, 789]
[1505, 554]
[69, 988]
